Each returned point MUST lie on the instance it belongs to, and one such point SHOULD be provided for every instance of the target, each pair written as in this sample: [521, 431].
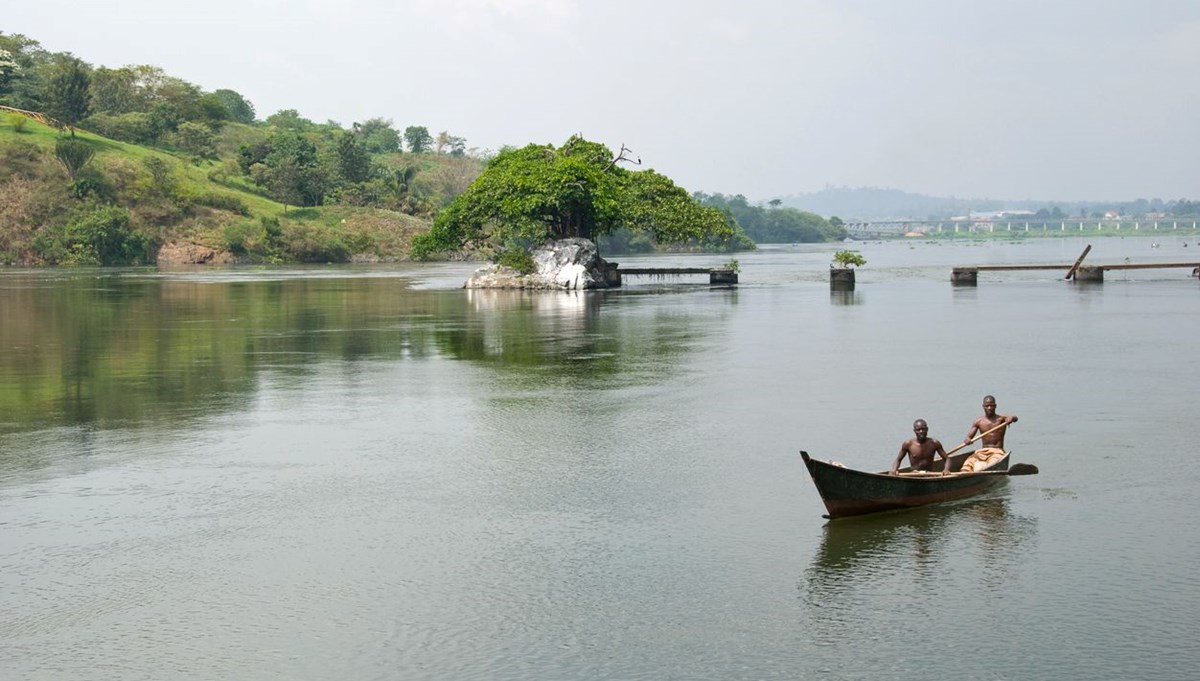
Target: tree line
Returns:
[294, 160]
[775, 224]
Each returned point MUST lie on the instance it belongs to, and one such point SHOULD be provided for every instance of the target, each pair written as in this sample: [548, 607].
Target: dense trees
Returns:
[1184, 207]
[539, 192]
[775, 225]
[22, 83]
[8, 68]
[287, 164]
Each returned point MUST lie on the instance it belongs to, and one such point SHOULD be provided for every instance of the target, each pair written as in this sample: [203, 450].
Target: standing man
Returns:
[921, 450]
[991, 445]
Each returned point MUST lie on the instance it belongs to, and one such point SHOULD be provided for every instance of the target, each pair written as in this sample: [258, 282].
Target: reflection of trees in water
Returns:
[82, 349]
[88, 350]
[878, 563]
[566, 336]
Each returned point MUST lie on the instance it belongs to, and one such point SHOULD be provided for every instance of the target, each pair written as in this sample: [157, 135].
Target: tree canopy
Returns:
[418, 138]
[538, 193]
[67, 95]
[776, 224]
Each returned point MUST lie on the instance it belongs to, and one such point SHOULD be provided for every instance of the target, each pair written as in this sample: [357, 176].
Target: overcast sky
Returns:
[1009, 99]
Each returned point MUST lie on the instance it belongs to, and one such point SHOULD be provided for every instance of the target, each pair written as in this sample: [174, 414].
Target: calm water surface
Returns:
[369, 473]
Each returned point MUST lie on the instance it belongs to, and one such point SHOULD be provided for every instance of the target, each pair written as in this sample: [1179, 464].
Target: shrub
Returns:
[105, 234]
[272, 227]
[162, 177]
[227, 202]
[848, 259]
[519, 259]
[18, 122]
[306, 242]
[92, 182]
[246, 237]
[74, 154]
[135, 127]
[422, 247]
[196, 139]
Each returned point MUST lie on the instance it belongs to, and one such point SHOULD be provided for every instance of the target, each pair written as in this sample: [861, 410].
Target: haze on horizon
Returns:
[1054, 101]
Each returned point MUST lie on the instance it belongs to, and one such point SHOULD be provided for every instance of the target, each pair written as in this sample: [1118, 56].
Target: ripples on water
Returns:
[364, 474]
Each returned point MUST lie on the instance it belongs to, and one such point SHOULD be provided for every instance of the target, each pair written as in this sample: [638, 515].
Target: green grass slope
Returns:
[132, 204]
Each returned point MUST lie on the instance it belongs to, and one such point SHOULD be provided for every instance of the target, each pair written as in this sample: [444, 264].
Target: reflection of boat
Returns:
[849, 492]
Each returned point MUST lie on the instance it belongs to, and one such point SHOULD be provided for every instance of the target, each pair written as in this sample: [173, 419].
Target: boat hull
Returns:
[847, 492]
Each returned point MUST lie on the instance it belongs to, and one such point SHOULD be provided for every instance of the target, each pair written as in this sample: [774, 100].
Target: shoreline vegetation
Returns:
[132, 166]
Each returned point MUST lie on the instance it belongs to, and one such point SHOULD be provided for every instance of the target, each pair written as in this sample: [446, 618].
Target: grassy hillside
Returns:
[135, 204]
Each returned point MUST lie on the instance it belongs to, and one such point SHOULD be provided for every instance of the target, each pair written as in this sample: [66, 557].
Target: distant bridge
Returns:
[875, 229]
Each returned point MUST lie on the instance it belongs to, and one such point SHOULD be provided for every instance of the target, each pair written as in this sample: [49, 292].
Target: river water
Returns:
[371, 473]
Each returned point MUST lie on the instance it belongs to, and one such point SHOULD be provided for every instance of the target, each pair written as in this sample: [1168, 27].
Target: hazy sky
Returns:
[1014, 99]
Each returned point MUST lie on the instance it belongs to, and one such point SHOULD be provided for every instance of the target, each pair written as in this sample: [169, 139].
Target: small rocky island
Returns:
[571, 264]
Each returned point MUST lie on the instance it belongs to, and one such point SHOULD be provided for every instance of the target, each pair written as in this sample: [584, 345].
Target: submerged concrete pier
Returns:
[841, 278]
[716, 275]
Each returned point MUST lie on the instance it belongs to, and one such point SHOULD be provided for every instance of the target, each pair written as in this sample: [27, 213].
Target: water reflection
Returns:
[844, 297]
[893, 559]
[123, 350]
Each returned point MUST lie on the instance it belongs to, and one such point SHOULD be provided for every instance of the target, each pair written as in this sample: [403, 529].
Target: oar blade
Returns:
[1023, 469]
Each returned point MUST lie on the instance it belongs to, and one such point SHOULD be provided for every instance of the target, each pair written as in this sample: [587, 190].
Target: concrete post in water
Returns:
[612, 276]
[841, 278]
[1090, 274]
[722, 276]
[964, 276]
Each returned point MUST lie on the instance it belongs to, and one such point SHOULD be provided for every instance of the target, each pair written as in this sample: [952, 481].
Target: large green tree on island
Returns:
[539, 193]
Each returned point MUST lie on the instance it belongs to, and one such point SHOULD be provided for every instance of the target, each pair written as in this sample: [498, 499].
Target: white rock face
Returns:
[567, 264]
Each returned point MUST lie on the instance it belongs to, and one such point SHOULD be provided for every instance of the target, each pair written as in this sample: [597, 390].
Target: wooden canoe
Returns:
[848, 492]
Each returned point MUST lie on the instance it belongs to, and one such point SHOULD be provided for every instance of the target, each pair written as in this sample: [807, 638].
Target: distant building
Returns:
[989, 215]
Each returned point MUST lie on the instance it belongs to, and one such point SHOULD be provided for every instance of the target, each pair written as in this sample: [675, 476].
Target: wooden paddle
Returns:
[919, 473]
[1015, 469]
[1006, 423]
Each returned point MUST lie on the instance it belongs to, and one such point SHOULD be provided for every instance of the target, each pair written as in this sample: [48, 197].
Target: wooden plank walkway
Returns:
[968, 275]
[1148, 266]
[1126, 266]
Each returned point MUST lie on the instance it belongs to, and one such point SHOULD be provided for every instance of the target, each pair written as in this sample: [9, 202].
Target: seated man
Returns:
[991, 444]
[920, 450]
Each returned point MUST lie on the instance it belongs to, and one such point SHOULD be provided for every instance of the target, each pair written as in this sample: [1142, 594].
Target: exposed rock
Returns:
[568, 265]
[192, 254]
